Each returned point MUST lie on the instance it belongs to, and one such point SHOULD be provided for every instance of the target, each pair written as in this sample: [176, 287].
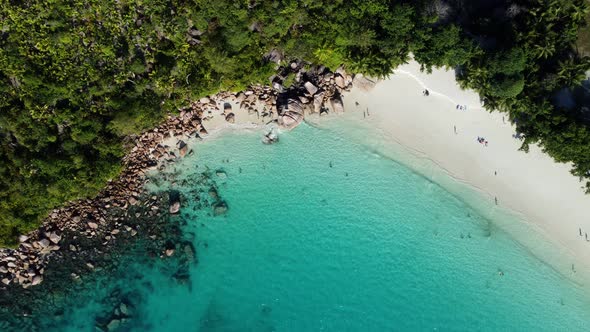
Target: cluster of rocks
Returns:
[116, 319]
[106, 217]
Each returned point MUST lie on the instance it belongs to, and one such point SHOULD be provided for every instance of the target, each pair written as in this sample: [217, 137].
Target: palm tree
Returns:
[545, 51]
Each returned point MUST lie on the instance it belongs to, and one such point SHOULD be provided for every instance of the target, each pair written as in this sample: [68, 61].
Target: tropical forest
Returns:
[78, 79]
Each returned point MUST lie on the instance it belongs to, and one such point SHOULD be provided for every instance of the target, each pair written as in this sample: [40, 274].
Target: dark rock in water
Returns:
[174, 199]
[213, 193]
[175, 208]
[113, 325]
[266, 309]
[189, 251]
[124, 309]
[220, 208]
[182, 148]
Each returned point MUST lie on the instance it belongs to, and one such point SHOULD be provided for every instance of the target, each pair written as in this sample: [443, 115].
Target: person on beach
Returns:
[580, 231]
[457, 107]
[486, 142]
[496, 200]
[455, 129]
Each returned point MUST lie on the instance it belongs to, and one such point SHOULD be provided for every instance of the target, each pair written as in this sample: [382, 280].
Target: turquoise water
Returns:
[322, 235]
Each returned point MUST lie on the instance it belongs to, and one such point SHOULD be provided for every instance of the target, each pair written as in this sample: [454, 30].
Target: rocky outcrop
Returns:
[314, 90]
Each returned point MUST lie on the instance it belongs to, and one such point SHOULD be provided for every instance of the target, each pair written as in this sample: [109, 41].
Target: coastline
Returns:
[538, 201]
[85, 229]
[399, 114]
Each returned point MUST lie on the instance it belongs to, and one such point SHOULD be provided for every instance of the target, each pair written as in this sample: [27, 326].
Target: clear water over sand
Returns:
[323, 235]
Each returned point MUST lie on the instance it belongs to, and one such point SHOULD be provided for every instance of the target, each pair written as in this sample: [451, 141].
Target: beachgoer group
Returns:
[425, 92]
[482, 140]
[461, 107]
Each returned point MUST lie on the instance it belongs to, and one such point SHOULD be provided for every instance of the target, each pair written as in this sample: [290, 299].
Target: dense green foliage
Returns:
[76, 77]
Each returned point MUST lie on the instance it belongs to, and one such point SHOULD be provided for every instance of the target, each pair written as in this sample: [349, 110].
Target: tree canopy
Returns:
[76, 77]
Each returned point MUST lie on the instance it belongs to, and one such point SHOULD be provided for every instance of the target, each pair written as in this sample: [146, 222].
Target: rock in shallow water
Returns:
[124, 309]
[175, 208]
[219, 208]
[113, 325]
[37, 280]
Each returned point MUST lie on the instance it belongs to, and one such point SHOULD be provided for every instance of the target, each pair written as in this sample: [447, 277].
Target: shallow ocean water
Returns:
[323, 235]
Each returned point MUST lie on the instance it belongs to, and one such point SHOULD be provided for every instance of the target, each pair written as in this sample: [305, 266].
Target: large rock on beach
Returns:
[337, 104]
[339, 80]
[363, 83]
[318, 102]
[311, 89]
[53, 237]
[231, 118]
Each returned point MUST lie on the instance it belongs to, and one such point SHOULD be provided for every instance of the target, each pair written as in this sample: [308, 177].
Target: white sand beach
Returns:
[549, 203]
[541, 191]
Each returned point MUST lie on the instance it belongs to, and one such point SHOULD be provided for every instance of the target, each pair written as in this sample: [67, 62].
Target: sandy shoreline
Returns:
[540, 190]
[528, 187]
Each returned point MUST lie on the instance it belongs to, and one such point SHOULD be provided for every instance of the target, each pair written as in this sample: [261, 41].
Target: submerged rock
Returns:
[220, 208]
[124, 309]
[221, 174]
[174, 208]
[213, 193]
[113, 325]
[270, 138]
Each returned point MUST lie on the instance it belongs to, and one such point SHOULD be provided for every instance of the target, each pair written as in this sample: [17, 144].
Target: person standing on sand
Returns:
[455, 129]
